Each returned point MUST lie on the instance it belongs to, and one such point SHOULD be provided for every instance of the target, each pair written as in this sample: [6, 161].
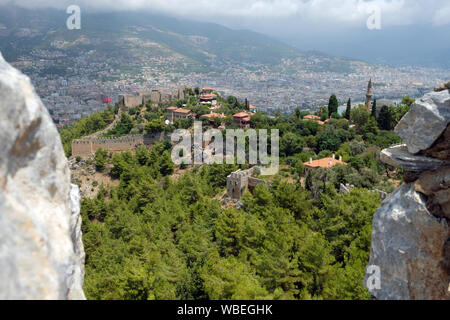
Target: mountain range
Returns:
[208, 44]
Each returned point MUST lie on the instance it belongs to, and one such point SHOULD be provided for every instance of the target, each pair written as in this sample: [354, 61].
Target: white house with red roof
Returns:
[209, 98]
[242, 119]
[174, 113]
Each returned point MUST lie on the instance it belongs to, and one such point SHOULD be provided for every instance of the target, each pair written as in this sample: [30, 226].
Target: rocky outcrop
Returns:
[425, 122]
[442, 87]
[41, 253]
[436, 186]
[407, 246]
[441, 148]
[399, 157]
[411, 234]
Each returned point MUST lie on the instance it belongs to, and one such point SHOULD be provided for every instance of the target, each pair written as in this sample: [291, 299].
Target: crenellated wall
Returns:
[86, 147]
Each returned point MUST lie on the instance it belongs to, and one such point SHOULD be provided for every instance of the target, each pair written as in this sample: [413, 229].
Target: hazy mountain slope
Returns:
[204, 42]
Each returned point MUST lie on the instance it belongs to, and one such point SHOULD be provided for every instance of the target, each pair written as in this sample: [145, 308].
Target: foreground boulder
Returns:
[426, 121]
[410, 253]
[41, 253]
[407, 245]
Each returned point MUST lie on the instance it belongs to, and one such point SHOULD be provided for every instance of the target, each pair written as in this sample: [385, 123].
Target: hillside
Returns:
[155, 230]
[206, 44]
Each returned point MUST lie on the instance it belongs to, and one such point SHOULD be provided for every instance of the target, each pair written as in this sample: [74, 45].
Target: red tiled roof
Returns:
[172, 108]
[241, 115]
[324, 163]
[182, 111]
[212, 115]
[311, 117]
[328, 120]
[208, 97]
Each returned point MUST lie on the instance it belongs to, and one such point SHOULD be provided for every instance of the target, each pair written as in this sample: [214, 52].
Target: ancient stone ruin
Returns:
[240, 180]
[155, 96]
[41, 252]
[411, 235]
[345, 188]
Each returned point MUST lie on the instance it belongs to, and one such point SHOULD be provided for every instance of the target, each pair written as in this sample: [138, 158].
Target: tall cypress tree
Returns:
[385, 118]
[348, 110]
[374, 108]
[332, 105]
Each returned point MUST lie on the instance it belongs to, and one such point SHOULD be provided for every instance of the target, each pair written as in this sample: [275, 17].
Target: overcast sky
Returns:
[264, 14]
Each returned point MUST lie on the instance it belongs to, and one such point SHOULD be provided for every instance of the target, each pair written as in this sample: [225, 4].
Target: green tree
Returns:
[348, 110]
[123, 127]
[370, 130]
[291, 144]
[374, 109]
[231, 279]
[166, 164]
[155, 126]
[385, 118]
[407, 101]
[360, 115]
[142, 155]
[328, 140]
[228, 232]
[333, 105]
[100, 159]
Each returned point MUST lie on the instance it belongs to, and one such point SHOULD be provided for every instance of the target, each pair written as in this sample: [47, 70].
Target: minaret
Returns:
[369, 95]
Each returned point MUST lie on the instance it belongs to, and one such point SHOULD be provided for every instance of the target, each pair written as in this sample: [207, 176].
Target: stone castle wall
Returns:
[155, 96]
[239, 180]
[87, 147]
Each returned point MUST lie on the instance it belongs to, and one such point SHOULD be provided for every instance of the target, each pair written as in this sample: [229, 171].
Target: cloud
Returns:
[442, 16]
[307, 12]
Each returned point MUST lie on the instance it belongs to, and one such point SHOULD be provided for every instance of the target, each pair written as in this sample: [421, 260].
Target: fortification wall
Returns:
[130, 101]
[254, 182]
[81, 147]
[86, 147]
[155, 96]
[117, 144]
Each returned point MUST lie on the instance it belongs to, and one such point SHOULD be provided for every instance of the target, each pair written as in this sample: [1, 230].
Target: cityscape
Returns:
[224, 158]
[83, 83]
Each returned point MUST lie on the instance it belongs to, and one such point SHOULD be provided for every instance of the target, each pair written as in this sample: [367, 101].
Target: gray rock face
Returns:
[41, 253]
[408, 245]
[399, 157]
[436, 186]
[410, 233]
[426, 121]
